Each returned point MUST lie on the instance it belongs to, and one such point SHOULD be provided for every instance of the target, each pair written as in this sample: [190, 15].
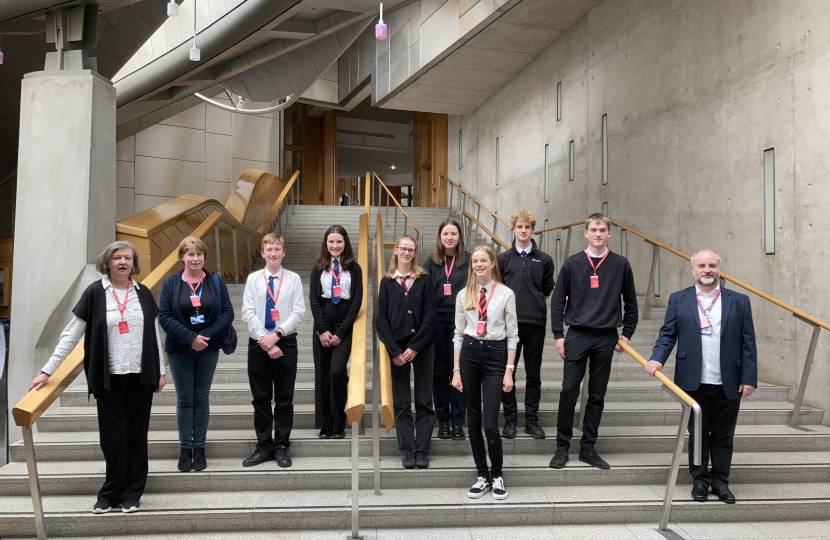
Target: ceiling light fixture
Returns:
[172, 9]
[381, 31]
[195, 55]
[393, 167]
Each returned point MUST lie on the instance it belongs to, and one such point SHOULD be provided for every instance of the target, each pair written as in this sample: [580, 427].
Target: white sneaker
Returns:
[499, 493]
[478, 490]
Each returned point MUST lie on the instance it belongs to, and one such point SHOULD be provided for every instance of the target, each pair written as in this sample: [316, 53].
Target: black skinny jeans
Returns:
[482, 366]
[449, 402]
[413, 436]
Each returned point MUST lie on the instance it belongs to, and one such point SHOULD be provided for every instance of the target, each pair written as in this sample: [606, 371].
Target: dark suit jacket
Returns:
[738, 356]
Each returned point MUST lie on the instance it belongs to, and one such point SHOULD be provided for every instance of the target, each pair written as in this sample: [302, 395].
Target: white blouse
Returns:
[124, 349]
[501, 317]
[345, 282]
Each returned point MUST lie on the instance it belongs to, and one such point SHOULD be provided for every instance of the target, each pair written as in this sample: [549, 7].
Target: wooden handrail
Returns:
[668, 383]
[396, 202]
[549, 229]
[278, 203]
[356, 400]
[387, 411]
[467, 193]
[486, 230]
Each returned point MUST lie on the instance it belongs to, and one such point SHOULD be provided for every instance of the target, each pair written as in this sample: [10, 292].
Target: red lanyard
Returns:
[591, 261]
[403, 281]
[184, 276]
[337, 275]
[707, 310]
[448, 271]
[483, 309]
[121, 308]
[270, 292]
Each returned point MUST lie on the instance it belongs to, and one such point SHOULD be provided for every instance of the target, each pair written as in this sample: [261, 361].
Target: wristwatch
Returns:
[280, 333]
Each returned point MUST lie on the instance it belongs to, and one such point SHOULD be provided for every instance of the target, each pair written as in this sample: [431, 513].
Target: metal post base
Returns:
[675, 464]
[355, 479]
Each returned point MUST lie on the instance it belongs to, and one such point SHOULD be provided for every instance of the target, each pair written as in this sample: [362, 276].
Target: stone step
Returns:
[163, 417]
[196, 512]
[225, 475]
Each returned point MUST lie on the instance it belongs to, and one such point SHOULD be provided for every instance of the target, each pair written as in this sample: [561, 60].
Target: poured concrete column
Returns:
[65, 210]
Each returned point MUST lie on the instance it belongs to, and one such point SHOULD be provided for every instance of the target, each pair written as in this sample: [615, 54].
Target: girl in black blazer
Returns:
[336, 294]
[405, 321]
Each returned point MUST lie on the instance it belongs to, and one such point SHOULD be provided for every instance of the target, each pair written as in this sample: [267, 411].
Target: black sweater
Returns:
[438, 275]
[403, 315]
[315, 300]
[594, 310]
[531, 279]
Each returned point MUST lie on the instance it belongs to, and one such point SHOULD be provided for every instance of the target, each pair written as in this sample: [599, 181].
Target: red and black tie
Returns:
[482, 308]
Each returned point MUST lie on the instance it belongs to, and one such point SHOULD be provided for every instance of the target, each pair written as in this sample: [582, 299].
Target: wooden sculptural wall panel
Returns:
[254, 196]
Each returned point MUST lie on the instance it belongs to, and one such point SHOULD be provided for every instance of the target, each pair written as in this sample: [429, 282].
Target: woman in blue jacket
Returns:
[195, 311]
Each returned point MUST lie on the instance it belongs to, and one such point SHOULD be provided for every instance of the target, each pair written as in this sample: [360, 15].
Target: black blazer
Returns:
[406, 315]
[738, 355]
[315, 299]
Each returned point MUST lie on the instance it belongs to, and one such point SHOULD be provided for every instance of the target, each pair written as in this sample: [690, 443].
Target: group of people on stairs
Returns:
[456, 326]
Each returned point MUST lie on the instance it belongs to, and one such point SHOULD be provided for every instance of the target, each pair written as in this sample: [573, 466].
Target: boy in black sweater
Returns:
[529, 273]
[591, 283]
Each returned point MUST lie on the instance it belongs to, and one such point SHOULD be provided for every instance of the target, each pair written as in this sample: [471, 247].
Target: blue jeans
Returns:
[193, 375]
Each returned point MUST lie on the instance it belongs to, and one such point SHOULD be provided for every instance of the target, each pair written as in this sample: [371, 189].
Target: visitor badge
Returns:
[704, 322]
[595, 282]
[481, 329]
[195, 302]
[123, 327]
[198, 319]
[275, 314]
[706, 331]
[335, 291]
[447, 289]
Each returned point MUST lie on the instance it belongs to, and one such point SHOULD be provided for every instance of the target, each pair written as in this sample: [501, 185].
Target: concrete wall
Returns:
[695, 91]
[201, 150]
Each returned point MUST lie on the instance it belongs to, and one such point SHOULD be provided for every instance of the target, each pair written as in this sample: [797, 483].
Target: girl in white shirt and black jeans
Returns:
[486, 335]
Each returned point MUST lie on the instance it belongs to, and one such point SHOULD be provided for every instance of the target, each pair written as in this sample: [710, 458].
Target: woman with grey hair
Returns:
[124, 365]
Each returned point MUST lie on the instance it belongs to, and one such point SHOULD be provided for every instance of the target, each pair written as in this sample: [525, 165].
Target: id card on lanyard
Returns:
[335, 290]
[123, 326]
[595, 277]
[195, 298]
[275, 313]
[705, 324]
[448, 272]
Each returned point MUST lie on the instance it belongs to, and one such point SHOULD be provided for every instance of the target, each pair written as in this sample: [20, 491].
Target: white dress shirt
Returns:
[124, 349]
[711, 344]
[525, 250]
[290, 303]
[409, 280]
[501, 316]
[591, 253]
[345, 282]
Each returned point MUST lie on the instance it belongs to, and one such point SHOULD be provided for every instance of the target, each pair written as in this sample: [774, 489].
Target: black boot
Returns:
[444, 430]
[186, 460]
[199, 459]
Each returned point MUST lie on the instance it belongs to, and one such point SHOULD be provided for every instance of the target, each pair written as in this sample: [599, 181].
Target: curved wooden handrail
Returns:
[418, 230]
[486, 230]
[356, 400]
[253, 195]
[549, 229]
[668, 383]
[149, 222]
[278, 203]
[467, 193]
[387, 411]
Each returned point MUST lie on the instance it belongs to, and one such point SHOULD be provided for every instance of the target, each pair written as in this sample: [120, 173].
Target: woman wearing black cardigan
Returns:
[405, 321]
[335, 296]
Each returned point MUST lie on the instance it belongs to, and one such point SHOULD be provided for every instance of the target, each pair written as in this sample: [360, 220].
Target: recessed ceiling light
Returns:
[393, 167]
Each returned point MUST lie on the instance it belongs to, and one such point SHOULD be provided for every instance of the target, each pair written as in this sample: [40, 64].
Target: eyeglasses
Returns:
[407, 250]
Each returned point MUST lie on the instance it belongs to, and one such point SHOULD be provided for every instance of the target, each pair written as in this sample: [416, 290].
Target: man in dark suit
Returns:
[717, 364]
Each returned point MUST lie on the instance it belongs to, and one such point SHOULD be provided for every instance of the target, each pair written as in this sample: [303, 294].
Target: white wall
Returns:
[200, 151]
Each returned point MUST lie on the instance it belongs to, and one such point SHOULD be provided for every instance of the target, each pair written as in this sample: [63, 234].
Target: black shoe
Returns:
[325, 433]
[338, 435]
[102, 506]
[509, 431]
[592, 458]
[723, 493]
[458, 432]
[700, 492]
[499, 492]
[481, 487]
[260, 455]
[444, 430]
[421, 460]
[199, 459]
[186, 459]
[559, 458]
[533, 429]
[283, 459]
[408, 460]
[130, 506]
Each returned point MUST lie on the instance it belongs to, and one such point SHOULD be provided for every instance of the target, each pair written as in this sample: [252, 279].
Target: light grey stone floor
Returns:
[789, 530]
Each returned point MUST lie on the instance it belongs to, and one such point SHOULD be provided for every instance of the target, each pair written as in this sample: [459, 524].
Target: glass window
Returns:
[546, 174]
[460, 151]
[604, 149]
[558, 101]
[571, 161]
[769, 201]
[497, 161]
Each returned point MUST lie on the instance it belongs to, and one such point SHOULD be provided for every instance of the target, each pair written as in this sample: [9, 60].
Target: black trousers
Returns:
[123, 423]
[580, 347]
[331, 380]
[273, 379]
[720, 416]
[449, 402]
[482, 366]
[413, 436]
[532, 342]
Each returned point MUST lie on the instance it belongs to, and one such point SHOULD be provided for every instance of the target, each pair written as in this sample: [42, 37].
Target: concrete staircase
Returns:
[779, 473]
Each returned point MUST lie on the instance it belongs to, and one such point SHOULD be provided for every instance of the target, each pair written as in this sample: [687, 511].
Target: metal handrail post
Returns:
[675, 465]
[395, 226]
[624, 243]
[405, 224]
[495, 235]
[449, 203]
[248, 262]
[235, 258]
[376, 380]
[650, 289]
[34, 482]
[567, 245]
[805, 375]
[218, 253]
[355, 480]
[440, 183]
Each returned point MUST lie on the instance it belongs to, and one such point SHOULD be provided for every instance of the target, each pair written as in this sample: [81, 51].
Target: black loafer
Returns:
[260, 455]
[283, 459]
[592, 458]
[559, 459]
[509, 431]
[533, 429]
[444, 430]
[458, 432]
[723, 493]
[700, 492]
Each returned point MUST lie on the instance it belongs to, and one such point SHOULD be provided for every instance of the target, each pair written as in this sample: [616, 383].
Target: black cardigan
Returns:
[92, 309]
[315, 299]
[403, 315]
